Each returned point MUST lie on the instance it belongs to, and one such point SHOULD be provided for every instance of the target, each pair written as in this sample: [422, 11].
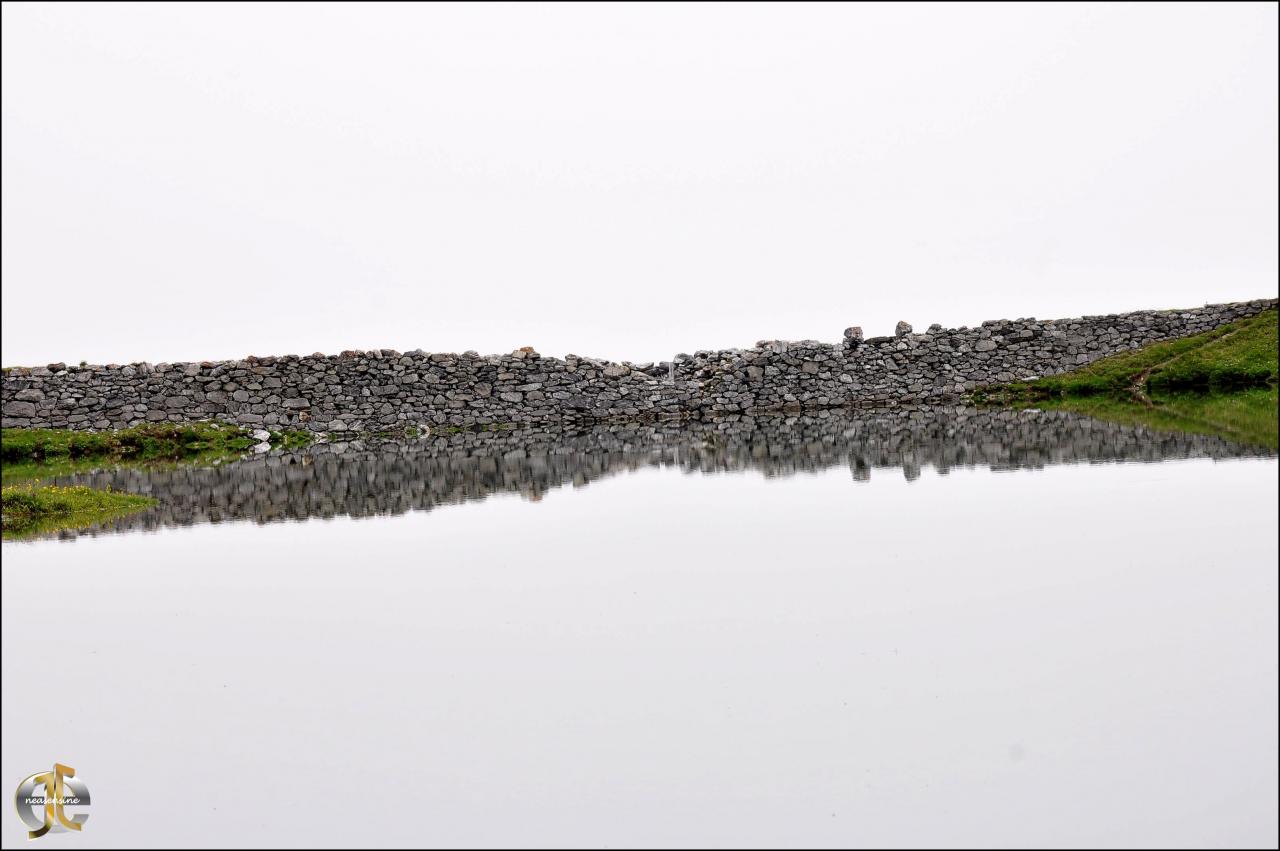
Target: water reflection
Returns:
[363, 479]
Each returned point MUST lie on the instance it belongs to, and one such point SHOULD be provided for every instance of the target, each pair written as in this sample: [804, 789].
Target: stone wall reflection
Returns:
[361, 479]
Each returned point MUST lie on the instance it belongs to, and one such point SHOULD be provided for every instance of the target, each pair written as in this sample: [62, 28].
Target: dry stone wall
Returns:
[380, 390]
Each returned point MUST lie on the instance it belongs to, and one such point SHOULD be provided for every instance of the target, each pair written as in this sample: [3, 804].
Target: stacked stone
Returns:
[353, 391]
[385, 389]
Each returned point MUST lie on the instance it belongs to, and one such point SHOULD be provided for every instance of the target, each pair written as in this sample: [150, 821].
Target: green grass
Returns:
[1245, 358]
[32, 454]
[1222, 383]
[140, 443]
[1241, 354]
[290, 439]
[31, 510]
[17, 472]
[1245, 416]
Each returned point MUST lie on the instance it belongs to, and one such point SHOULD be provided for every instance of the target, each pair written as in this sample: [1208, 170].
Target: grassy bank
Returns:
[1222, 382]
[141, 443]
[29, 509]
[29, 457]
[1240, 355]
[30, 454]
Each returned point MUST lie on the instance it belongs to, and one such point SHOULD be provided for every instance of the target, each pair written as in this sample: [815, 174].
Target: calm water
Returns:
[950, 628]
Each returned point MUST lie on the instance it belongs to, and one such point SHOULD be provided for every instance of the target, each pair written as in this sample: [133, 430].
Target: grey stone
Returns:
[378, 390]
[19, 409]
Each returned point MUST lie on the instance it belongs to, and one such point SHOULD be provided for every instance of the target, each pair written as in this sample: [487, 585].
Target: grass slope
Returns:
[1222, 382]
[30, 456]
[1241, 354]
[141, 443]
[40, 453]
[30, 510]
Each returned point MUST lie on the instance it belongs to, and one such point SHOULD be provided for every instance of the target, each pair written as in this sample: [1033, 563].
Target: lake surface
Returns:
[939, 627]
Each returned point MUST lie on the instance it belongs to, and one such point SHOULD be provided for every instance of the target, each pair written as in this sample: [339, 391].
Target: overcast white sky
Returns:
[188, 181]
